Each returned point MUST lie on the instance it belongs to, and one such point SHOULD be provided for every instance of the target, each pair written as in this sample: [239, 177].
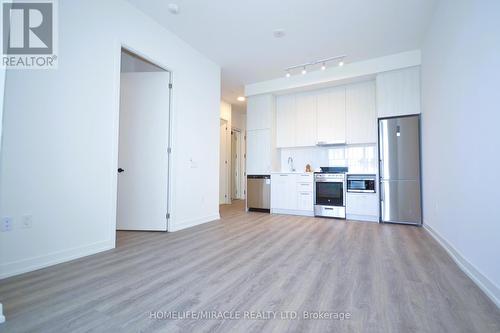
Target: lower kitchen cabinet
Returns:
[283, 191]
[362, 206]
[292, 193]
[305, 201]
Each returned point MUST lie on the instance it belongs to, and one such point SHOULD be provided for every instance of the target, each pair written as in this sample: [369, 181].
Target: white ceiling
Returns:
[238, 34]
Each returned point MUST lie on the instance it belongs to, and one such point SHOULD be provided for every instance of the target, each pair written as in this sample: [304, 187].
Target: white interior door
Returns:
[223, 163]
[143, 156]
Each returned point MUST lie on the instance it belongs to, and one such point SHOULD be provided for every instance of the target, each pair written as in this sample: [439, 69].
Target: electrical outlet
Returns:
[7, 224]
[27, 221]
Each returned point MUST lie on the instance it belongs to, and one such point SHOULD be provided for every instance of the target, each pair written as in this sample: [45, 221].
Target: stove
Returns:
[330, 192]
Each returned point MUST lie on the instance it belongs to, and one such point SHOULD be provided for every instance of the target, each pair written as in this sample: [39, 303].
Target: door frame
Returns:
[227, 165]
[116, 131]
[238, 165]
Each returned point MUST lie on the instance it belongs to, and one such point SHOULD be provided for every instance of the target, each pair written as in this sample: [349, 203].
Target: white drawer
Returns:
[304, 187]
[305, 201]
[305, 177]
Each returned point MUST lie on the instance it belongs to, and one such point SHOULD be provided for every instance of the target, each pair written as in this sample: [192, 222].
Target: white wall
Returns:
[61, 136]
[239, 120]
[460, 119]
[2, 86]
[225, 148]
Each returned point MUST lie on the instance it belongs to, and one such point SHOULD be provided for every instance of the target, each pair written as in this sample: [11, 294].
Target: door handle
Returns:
[120, 170]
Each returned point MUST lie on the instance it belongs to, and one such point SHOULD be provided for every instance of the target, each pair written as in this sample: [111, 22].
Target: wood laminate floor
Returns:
[389, 278]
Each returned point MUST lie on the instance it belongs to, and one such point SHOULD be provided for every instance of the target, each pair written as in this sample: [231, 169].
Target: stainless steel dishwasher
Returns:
[259, 193]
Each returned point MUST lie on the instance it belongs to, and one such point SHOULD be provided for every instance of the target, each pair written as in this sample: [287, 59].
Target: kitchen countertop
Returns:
[347, 173]
[292, 172]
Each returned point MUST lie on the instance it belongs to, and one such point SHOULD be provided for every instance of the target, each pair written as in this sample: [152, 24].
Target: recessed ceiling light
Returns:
[304, 71]
[287, 74]
[341, 63]
[241, 99]
[323, 67]
[173, 8]
[279, 33]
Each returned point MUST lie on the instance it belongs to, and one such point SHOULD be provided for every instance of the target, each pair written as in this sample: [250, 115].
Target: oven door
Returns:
[330, 193]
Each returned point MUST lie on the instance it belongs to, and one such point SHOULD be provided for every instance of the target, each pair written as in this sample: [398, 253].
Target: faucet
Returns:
[290, 164]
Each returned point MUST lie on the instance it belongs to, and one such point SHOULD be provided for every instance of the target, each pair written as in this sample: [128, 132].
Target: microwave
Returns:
[361, 183]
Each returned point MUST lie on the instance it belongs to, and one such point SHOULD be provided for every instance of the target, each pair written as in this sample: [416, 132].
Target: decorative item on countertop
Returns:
[308, 168]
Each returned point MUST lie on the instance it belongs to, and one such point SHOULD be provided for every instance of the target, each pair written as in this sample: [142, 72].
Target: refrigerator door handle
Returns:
[382, 192]
[381, 149]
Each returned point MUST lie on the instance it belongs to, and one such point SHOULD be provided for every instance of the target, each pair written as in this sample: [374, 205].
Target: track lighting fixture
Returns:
[323, 63]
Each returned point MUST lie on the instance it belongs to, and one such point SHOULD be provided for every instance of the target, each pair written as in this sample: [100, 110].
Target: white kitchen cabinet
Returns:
[305, 201]
[259, 159]
[292, 193]
[305, 119]
[285, 121]
[362, 206]
[331, 116]
[283, 191]
[260, 112]
[398, 92]
[361, 113]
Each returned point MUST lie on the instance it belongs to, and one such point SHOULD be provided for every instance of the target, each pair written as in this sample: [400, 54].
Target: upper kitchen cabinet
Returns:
[361, 113]
[398, 92]
[305, 119]
[259, 152]
[286, 110]
[331, 116]
[260, 112]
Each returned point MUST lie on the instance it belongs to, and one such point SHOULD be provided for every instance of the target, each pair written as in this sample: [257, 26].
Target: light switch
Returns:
[7, 224]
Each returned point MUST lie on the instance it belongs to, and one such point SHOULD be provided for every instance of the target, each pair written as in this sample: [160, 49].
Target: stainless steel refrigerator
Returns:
[399, 167]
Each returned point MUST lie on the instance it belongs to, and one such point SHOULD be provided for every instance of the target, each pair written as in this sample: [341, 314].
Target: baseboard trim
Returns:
[488, 287]
[292, 212]
[193, 223]
[35, 263]
[362, 218]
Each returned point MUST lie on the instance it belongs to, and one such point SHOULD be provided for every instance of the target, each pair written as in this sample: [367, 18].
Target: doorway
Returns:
[224, 181]
[143, 145]
[236, 165]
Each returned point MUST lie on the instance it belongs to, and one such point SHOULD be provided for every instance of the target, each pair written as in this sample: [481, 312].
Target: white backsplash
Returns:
[358, 158]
